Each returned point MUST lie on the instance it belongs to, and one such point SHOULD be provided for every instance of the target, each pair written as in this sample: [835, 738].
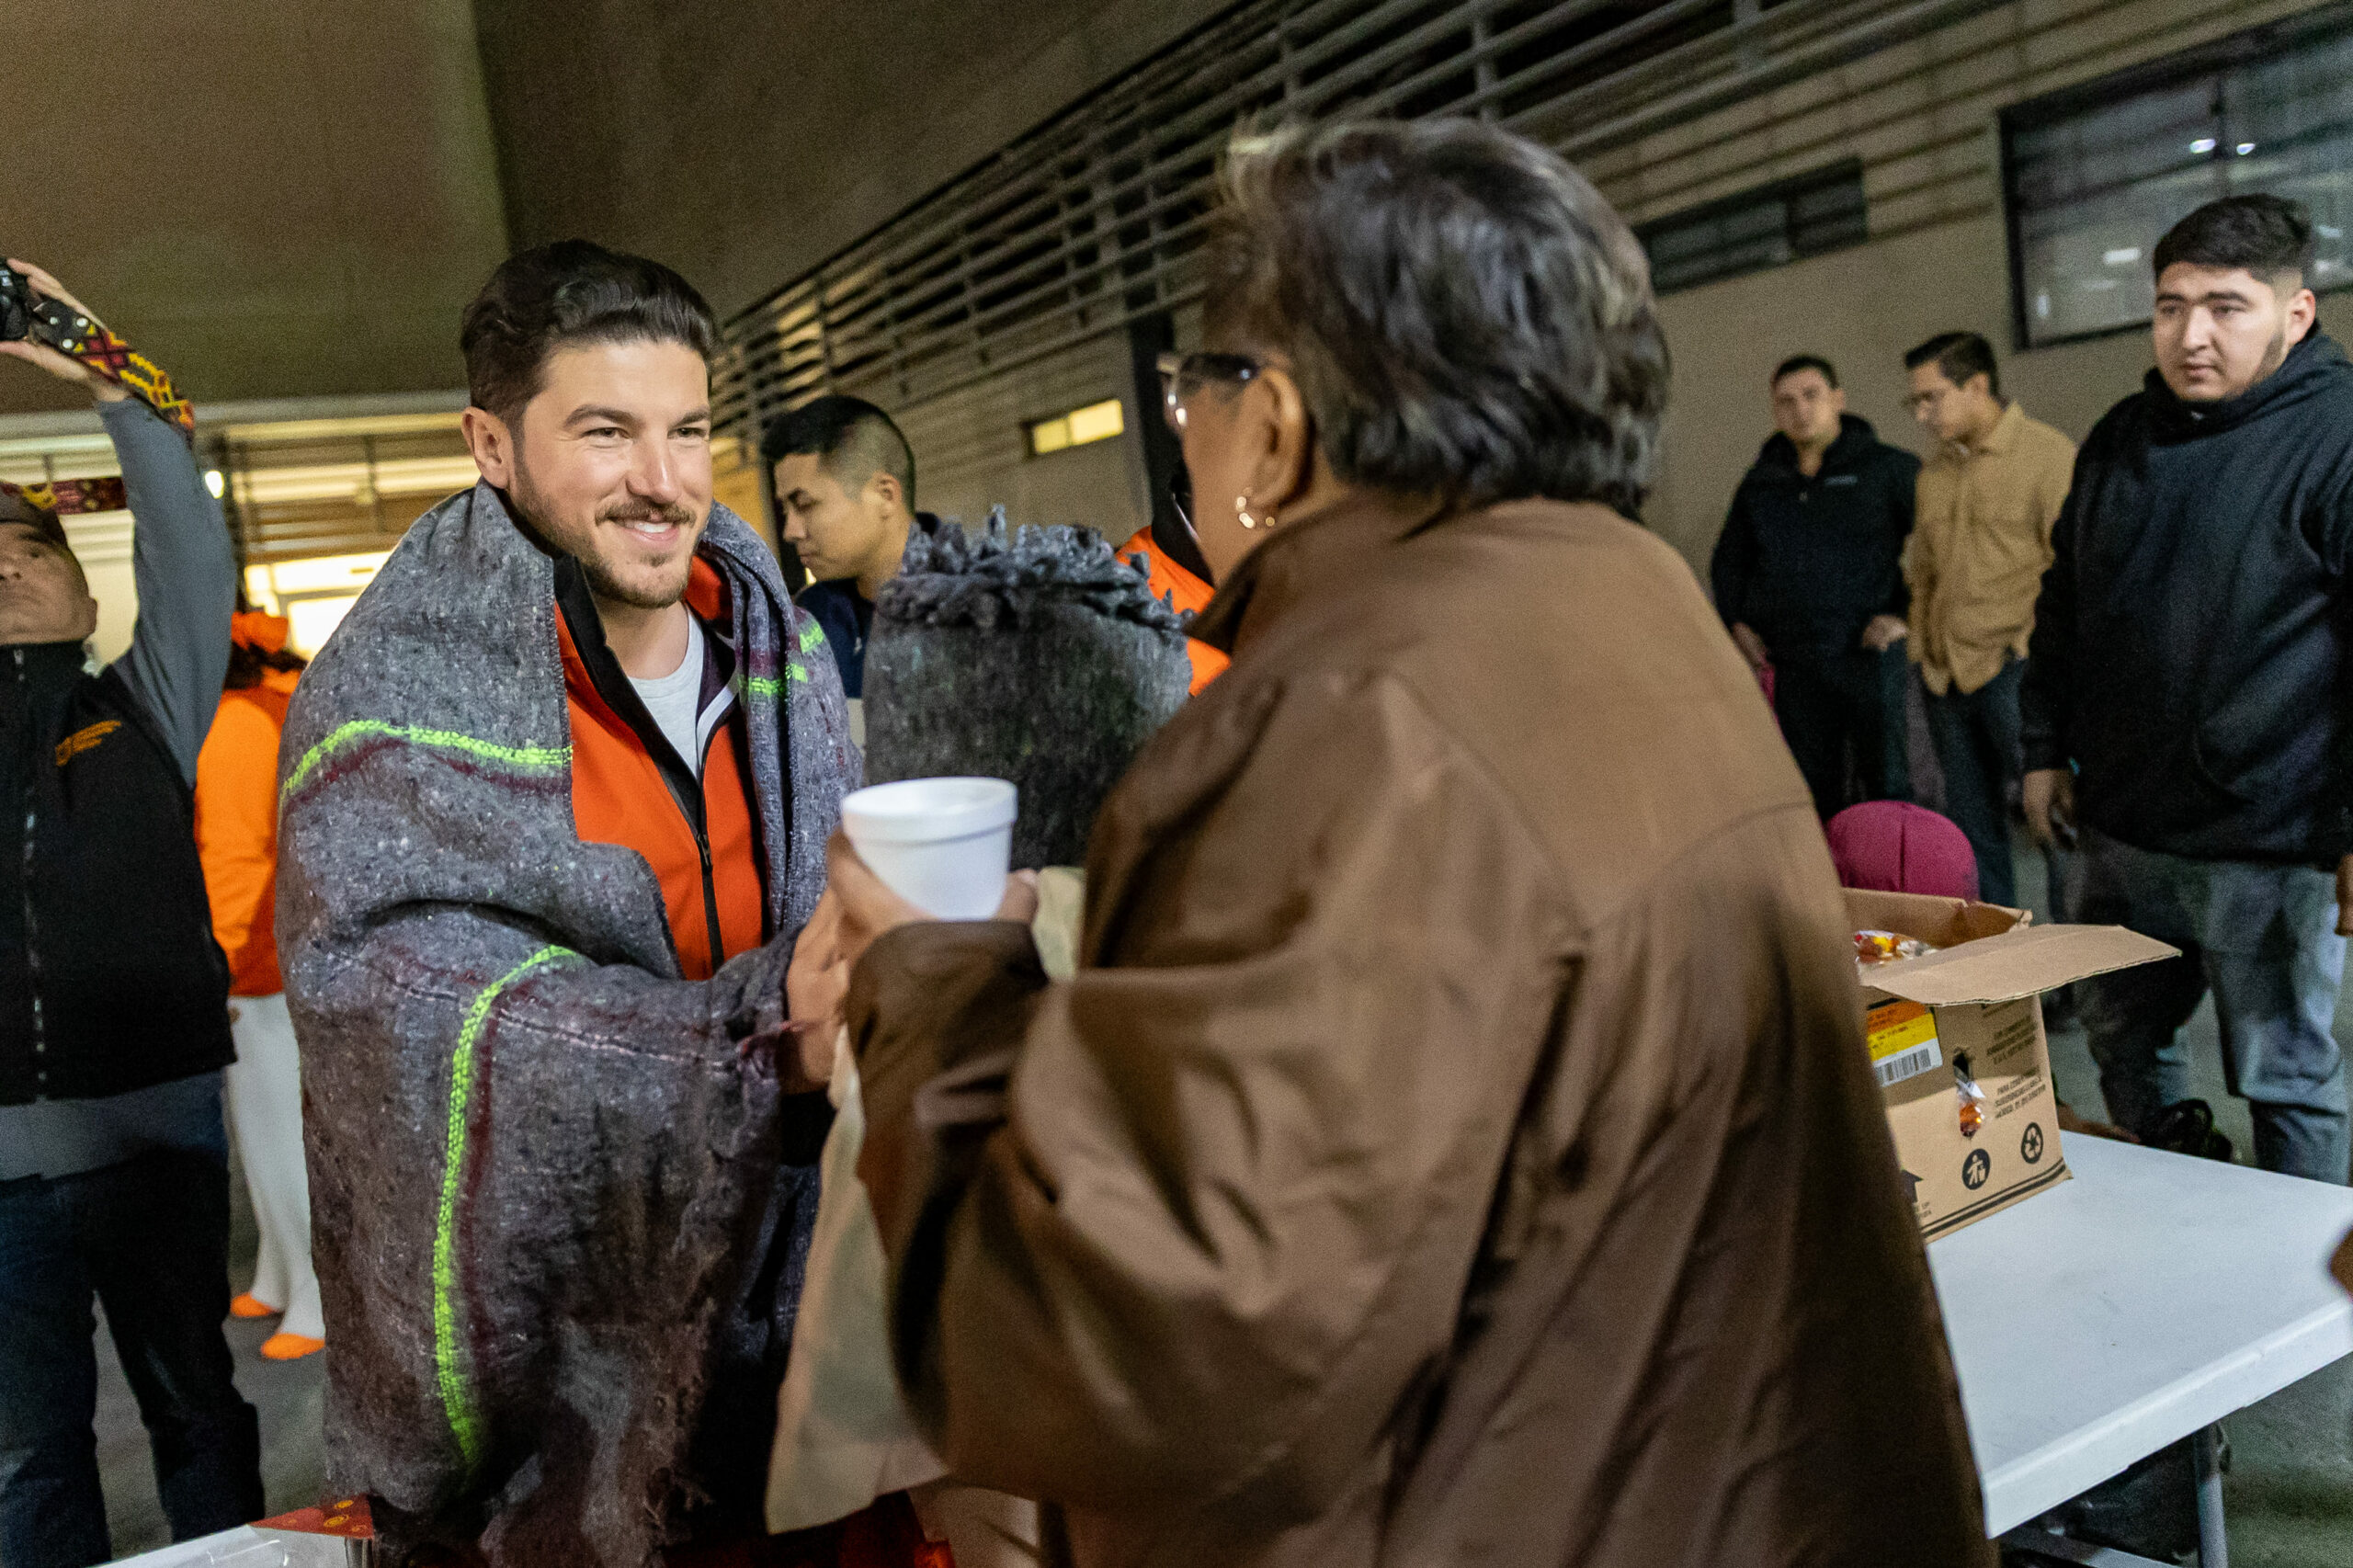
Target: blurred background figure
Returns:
[1808, 574]
[1987, 500]
[237, 833]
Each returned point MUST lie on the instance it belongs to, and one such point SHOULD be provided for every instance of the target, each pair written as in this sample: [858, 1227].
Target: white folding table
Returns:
[2121, 1311]
[2091, 1325]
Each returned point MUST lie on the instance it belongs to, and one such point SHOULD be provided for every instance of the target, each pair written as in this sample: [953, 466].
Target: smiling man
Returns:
[554, 805]
[2189, 697]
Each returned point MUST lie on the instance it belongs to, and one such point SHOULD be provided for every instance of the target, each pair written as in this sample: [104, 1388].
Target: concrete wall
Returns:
[743, 142]
[1922, 119]
[274, 200]
[970, 453]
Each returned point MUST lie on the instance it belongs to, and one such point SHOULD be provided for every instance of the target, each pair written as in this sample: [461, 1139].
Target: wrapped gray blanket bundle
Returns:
[1036, 655]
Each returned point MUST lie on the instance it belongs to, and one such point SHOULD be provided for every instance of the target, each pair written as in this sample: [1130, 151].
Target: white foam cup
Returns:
[944, 845]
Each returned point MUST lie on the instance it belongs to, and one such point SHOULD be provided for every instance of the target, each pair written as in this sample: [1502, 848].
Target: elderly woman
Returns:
[1457, 1145]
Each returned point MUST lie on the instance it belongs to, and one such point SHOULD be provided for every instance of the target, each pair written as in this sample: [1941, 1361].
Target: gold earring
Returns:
[1242, 510]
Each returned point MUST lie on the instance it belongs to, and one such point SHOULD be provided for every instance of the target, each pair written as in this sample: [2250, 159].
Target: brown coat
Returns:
[1458, 1146]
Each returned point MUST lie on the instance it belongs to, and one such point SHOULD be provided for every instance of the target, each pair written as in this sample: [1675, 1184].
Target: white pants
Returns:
[265, 1099]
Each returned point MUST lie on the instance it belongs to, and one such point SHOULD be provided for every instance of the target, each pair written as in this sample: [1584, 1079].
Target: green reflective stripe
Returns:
[812, 637]
[768, 685]
[796, 669]
[534, 757]
[457, 1396]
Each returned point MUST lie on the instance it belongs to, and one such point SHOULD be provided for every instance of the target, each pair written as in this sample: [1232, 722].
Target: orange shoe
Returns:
[250, 1306]
[291, 1346]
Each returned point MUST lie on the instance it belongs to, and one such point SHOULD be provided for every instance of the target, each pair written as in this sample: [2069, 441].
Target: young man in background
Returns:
[1987, 500]
[2187, 687]
[846, 494]
[1808, 574]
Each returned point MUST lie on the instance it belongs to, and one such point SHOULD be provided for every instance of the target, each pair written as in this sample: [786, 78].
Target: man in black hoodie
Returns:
[1808, 574]
[2186, 702]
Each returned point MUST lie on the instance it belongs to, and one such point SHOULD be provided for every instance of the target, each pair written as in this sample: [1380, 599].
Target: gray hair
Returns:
[1464, 313]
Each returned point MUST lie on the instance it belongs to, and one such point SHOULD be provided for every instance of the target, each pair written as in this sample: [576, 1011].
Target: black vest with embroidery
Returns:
[110, 977]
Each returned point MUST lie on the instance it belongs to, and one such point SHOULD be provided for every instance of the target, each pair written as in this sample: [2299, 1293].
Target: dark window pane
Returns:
[2093, 187]
[1754, 230]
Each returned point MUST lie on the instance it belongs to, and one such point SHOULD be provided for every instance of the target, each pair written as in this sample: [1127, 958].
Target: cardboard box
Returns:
[1975, 1008]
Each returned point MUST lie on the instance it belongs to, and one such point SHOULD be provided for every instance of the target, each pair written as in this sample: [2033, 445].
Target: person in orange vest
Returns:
[236, 835]
[1181, 576]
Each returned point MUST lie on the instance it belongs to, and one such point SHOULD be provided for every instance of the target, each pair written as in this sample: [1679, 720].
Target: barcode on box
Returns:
[1908, 1065]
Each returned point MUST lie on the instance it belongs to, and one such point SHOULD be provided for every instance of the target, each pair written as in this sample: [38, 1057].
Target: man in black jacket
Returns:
[114, 1020]
[2186, 691]
[1808, 574]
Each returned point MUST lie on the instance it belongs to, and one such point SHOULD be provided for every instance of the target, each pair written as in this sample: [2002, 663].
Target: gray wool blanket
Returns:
[545, 1177]
[1035, 654]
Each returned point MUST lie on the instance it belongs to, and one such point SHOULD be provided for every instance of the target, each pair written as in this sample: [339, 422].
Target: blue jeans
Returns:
[2263, 939]
[149, 1238]
[1976, 735]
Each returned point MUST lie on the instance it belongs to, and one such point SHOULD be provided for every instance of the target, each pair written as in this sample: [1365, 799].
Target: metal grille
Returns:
[1094, 219]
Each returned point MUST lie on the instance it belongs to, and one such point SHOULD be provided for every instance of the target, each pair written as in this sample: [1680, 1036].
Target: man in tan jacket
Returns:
[1987, 501]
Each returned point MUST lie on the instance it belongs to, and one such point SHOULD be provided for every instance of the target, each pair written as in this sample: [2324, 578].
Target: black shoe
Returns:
[2186, 1127]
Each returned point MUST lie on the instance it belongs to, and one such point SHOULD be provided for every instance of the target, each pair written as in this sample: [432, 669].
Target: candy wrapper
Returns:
[1885, 946]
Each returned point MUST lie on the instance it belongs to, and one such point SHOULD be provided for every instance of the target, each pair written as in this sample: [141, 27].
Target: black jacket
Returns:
[113, 981]
[1805, 563]
[2189, 643]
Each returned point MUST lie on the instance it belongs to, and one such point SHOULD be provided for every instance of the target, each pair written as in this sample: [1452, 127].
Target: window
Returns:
[2096, 176]
[1765, 227]
[1095, 421]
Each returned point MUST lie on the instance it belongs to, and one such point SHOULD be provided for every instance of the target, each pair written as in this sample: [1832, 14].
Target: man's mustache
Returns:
[674, 516]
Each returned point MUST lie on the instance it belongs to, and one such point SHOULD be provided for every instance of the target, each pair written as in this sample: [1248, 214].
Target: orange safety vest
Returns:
[1188, 593]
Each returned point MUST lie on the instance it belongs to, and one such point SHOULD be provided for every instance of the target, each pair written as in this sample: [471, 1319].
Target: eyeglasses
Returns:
[1182, 377]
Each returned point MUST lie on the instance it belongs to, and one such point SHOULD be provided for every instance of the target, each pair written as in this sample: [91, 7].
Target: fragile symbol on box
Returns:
[1902, 1038]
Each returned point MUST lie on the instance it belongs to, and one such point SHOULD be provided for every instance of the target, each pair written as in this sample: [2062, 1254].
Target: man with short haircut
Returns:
[2188, 687]
[556, 799]
[114, 1006]
[1808, 574]
[846, 491]
[1987, 500]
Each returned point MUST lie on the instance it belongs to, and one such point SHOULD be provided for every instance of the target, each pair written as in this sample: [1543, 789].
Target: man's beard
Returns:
[602, 580]
[2273, 357]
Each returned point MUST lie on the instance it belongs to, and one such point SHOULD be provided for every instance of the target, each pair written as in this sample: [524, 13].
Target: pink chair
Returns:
[1896, 846]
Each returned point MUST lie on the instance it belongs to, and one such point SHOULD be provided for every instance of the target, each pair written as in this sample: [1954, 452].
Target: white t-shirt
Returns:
[675, 699]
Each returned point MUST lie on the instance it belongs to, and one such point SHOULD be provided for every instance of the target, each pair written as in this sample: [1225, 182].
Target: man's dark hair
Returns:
[2269, 236]
[1796, 362]
[854, 440]
[564, 294]
[1959, 356]
[1466, 317]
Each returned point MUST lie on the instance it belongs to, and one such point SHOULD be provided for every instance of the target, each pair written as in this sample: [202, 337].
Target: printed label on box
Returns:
[1902, 1040]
